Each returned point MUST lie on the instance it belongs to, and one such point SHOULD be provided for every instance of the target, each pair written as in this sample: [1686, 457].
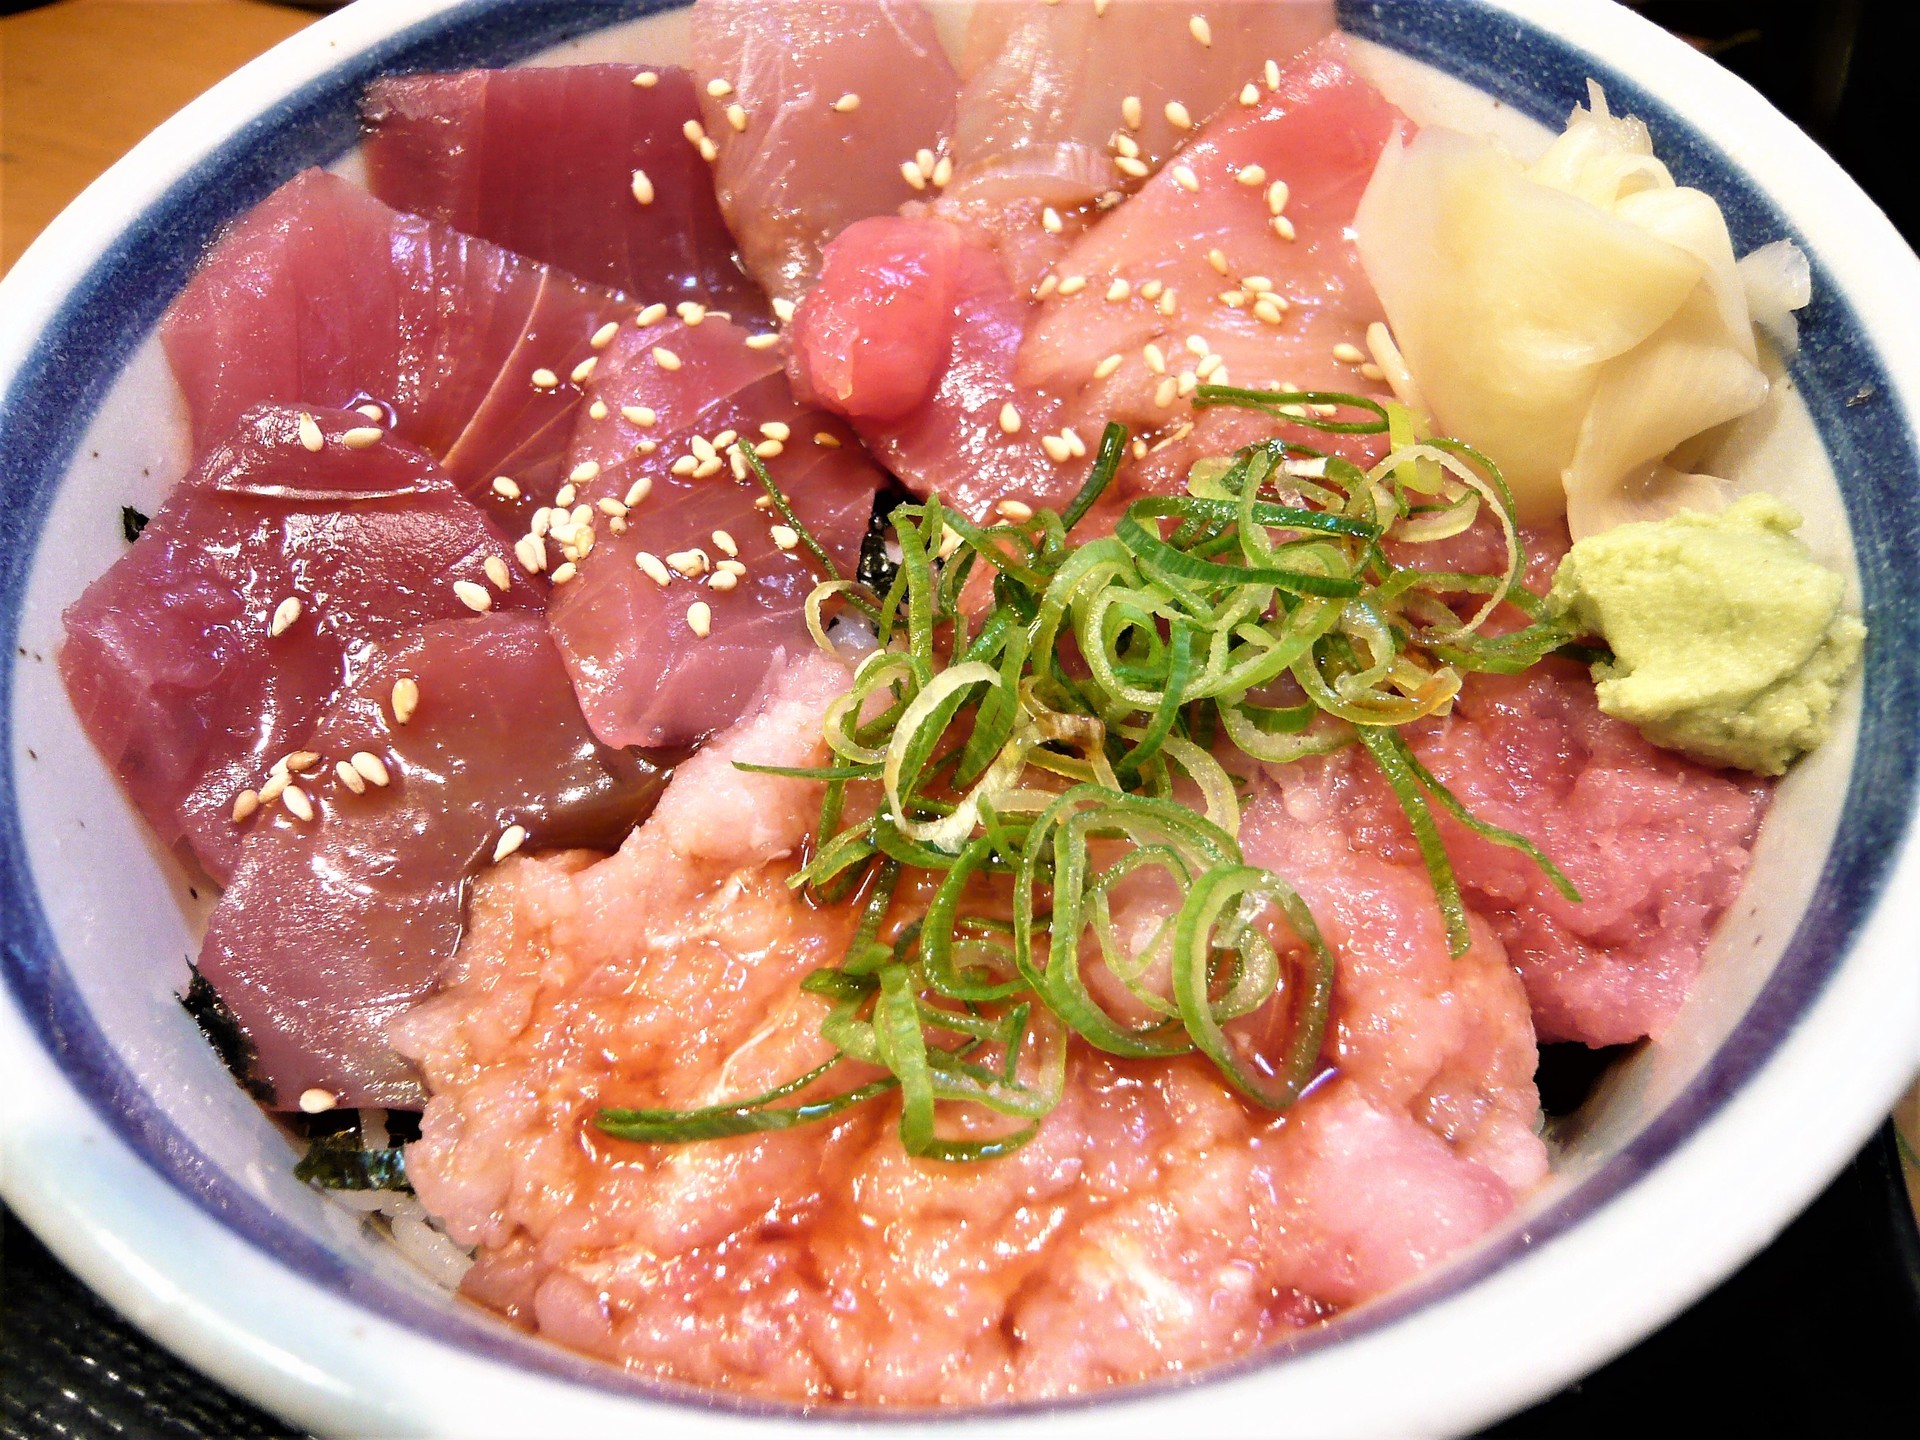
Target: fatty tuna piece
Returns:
[832, 98]
[548, 161]
[645, 670]
[321, 295]
[1157, 1223]
[335, 924]
[171, 657]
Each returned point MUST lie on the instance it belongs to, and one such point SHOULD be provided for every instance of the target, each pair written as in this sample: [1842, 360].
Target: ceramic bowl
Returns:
[124, 1145]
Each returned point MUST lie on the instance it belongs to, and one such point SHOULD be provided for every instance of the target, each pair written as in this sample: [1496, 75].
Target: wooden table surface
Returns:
[81, 81]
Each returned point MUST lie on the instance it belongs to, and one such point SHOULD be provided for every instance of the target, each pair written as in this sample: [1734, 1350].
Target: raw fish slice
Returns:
[1040, 75]
[1210, 240]
[802, 171]
[913, 330]
[324, 296]
[334, 926]
[541, 161]
[644, 675]
[170, 660]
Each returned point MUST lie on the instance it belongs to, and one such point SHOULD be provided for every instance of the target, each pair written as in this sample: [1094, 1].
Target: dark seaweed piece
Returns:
[132, 522]
[337, 1162]
[227, 1036]
[876, 570]
[1568, 1073]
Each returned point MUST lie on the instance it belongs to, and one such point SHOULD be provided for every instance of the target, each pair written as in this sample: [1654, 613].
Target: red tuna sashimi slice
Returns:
[645, 675]
[171, 660]
[836, 96]
[334, 926]
[324, 296]
[543, 161]
[1272, 295]
[913, 330]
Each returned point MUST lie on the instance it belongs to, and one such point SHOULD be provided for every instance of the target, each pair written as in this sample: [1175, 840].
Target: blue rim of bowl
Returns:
[77, 359]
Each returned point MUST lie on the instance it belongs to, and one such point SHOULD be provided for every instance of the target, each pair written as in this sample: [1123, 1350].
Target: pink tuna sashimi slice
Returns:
[324, 296]
[645, 676]
[334, 926]
[170, 657]
[805, 167]
[1270, 294]
[542, 161]
[913, 331]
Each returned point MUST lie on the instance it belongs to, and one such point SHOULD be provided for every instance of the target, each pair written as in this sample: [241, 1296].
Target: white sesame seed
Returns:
[847, 103]
[317, 1101]
[1119, 290]
[722, 580]
[700, 618]
[473, 596]
[1107, 366]
[769, 449]
[651, 567]
[310, 435]
[1074, 442]
[646, 447]
[643, 187]
[640, 415]
[708, 150]
[363, 437]
[584, 472]
[783, 310]
[737, 118]
[583, 372]
[763, 342]
[369, 767]
[691, 312]
[1283, 227]
[942, 171]
[1188, 382]
[1249, 94]
[694, 131]
[1155, 357]
[1130, 165]
[1046, 287]
[684, 466]
[1208, 367]
[1169, 302]
[244, 805]
[511, 839]
[545, 379]
[297, 803]
[777, 430]
[284, 614]
[350, 777]
[531, 552]
[406, 698]
[665, 358]
[647, 79]
[1251, 175]
[1178, 116]
[1051, 222]
[563, 498]
[1152, 290]
[1131, 113]
[299, 761]
[1009, 419]
[275, 787]
[1278, 193]
[1184, 177]
[785, 537]
[1200, 30]
[910, 172]
[731, 567]
[1165, 391]
[1125, 144]
[1217, 258]
[1015, 510]
[1058, 450]
[498, 575]
[1373, 372]
[372, 412]
[723, 542]
[563, 572]
[1267, 311]
[651, 315]
[1197, 346]
[604, 336]
[1347, 353]
[826, 438]
[719, 89]
[505, 488]
[1271, 72]
[638, 491]
[1073, 284]
[923, 157]
[598, 410]
[690, 563]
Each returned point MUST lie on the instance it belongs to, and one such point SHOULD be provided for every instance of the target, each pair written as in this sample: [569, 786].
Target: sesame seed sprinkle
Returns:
[650, 566]
[1050, 221]
[1155, 357]
[785, 537]
[598, 410]
[563, 572]
[1169, 302]
[943, 171]
[1010, 418]
[1200, 30]
[406, 698]
[1217, 258]
[1074, 443]
[1016, 510]
[1132, 166]
[363, 437]
[284, 614]
[691, 312]
[300, 761]
[350, 777]
[1058, 450]
[1119, 290]
[498, 575]
[694, 131]
[1278, 193]
[641, 415]
[1131, 112]
[1271, 73]
[1073, 284]
[473, 596]
[1184, 177]
[1268, 311]
[638, 491]
[545, 379]
[369, 767]
[1283, 227]
[737, 118]
[310, 435]
[647, 79]
[719, 89]
[665, 358]
[297, 803]
[777, 430]
[1046, 287]
[563, 497]
[1125, 144]
[910, 172]
[1152, 290]
[731, 567]
[685, 465]
[769, 449]
[1178, 116]
[700, 618]
[1251, 175]
[1373, 372]
[651, 315]
[531, 552]
[826, 438]
[1165, 391]
[723, 542]
[585, 471]
[372, 412]
[1249, 94]
[690, 563]
[708, 150]
[1347, 353]
[723, 580]
[847, 103]
[1107, 366]
[583, 372]
[244, 805]
[763, 342]
[783, 310]
[275, 787]
[511, 839]
[642, 187]
[317, 1101]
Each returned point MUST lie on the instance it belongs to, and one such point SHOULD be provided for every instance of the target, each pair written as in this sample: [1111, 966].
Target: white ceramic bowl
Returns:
[125, 1146]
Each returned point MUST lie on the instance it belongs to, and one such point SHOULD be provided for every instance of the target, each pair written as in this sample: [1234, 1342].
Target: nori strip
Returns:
[132, 522]
[337, 1162]
[227, 1036]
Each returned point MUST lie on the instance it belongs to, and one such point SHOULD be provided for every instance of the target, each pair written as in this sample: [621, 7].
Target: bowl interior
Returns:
[101, 924]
